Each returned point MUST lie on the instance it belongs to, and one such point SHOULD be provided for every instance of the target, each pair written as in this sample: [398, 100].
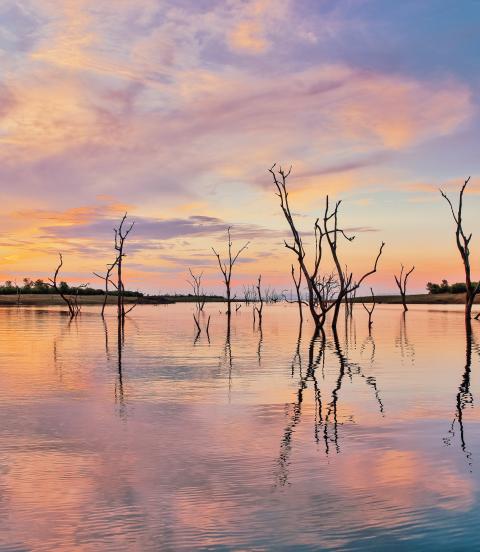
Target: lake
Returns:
[250, 440]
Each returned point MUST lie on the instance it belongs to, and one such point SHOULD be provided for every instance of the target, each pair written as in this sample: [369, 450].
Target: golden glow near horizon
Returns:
[174, 111]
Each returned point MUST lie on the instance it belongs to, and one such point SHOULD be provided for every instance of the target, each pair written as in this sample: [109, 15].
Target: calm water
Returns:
[254, 441]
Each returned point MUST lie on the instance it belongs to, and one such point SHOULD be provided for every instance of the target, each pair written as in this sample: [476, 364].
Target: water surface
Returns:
[257, 439]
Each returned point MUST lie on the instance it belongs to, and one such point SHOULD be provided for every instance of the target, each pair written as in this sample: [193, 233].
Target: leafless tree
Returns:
[370, 310]
[197, 323]
[226, 268]
[260, 300]
[249, 294]
[121, 234]
[107, 278]
[297, 283]
[71, 302]
[463, 246]
[401, 282]
[195, 282]
[325, 292]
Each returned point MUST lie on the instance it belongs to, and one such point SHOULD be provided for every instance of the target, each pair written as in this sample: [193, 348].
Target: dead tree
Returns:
[248, 294]
[325, 292]
[299, 301]
[226, 268]
[72, 303]
[401, 282]
[199, 329]
[370, 310]
[196, 285]
[121, 235]
[107, 279]
[463, 246]
[260, 300]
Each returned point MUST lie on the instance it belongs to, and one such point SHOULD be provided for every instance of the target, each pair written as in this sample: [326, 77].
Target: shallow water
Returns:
[254, 440]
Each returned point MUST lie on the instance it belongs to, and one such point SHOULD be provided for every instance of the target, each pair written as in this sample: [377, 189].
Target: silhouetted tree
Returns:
[71, 301]
[401, 282]
[325, 292]
[463, 246]
[195, 282]
[107, 279]
[227, 266]
[121, 235]
[260, 300]
[370, 310]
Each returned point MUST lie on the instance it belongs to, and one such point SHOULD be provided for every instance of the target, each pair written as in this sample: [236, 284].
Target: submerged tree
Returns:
[370, 310]
[121, 234]
[463, 246]
[71, 301]
[326, 292]
[226, 268]
[401, 282]
[107, 279]
[260, 300]
[195, 282]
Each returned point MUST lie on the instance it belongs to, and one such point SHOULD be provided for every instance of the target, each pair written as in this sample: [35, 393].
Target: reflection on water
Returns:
[248, 436]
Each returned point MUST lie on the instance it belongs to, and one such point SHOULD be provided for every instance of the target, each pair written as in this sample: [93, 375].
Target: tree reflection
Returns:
[119, 390]
[326, 415]
[464, 397]
[407, 349]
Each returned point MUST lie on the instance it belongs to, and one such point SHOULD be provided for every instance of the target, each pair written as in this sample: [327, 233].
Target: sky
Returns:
[174, 110]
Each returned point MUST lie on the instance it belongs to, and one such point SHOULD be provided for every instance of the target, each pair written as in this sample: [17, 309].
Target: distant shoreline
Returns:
[420, 299]
[52, 299]
[49, 299]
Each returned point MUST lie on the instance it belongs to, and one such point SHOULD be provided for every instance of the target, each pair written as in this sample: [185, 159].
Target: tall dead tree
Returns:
[108, 280]
[325, 292]
[71, 302]
[121, 234]
[401, 282]
[463, 246]
[226, 268]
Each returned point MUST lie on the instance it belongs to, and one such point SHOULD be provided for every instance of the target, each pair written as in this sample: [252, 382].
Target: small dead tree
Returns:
[107, 279]
[260, 300]
[227, 266]
[248, 294]
[463, 246]
[370, 310]
[195, 282]
[401, 282]
[325, 292]
[299, 301]
[71, 302]
[121, 234]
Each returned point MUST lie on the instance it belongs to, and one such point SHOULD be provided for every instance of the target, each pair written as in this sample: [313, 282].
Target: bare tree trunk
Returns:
[260, 298]
[107, 280]
[463, 246]
[196, 285]
[401, 282]
[370, 311]
[226, 269]
[120, 236]
[298, 284]
[72, 304]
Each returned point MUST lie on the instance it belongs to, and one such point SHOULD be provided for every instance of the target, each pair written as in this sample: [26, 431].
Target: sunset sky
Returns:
[173, 110]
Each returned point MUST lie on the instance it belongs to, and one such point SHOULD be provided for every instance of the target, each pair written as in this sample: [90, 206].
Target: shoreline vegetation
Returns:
[50, 299]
